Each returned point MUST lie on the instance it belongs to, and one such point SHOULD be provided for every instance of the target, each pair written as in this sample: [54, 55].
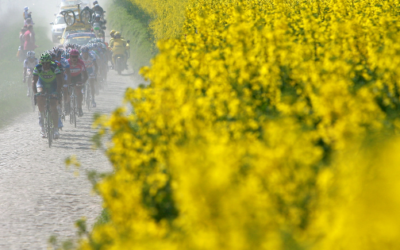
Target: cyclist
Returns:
[67, 75]
[98, 26]
[97, 8]
[91, 68]
[29, 64]
[46, 79]
[78, 76]
[26, 13]
[112, 35]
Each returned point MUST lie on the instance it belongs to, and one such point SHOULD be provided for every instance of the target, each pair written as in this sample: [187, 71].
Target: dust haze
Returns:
[43, 12]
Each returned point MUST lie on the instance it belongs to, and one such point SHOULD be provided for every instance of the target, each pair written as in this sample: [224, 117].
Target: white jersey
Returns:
[89, 61]
[31, 64]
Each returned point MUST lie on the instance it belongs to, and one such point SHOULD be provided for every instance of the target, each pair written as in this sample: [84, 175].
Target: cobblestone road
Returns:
[39, 196]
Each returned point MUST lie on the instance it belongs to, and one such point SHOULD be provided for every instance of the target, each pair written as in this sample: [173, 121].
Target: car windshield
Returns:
[60, 20]
[78, 40]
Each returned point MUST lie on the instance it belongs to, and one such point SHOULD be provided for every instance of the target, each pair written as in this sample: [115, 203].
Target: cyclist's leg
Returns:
[92, 87]
[78, 93]
[40, 101]
[66, 97]
[54, 113]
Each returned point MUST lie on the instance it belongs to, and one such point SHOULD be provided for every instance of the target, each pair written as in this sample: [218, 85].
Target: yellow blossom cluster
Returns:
[168, 16]
[259, 131]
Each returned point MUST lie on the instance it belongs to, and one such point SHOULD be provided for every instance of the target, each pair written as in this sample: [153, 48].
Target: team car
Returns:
[58, 28]
[81, 38]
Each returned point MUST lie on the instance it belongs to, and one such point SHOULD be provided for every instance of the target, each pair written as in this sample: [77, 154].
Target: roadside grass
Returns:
[13, 99]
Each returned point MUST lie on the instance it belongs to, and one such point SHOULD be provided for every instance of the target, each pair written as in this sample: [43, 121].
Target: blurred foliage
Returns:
[267, 125]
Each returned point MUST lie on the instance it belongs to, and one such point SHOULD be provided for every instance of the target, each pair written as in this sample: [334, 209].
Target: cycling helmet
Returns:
[58, 51]
[30, 54]
[74, 52]
[26, 8]
[85, 49]
[66, 55]
[45, 57]
[53, 55]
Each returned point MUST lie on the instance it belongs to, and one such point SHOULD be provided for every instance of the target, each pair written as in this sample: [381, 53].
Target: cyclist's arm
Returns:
[85, 76]
[34, 81]
[68, 71]
[25, 70]
[96, 69]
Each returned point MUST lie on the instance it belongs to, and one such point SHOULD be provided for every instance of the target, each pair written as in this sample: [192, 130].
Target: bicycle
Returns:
[88, 95]
[73, 102]
[47, 118]
[31, 94]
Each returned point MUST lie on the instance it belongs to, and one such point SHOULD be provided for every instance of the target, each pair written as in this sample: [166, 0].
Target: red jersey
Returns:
[78, 68]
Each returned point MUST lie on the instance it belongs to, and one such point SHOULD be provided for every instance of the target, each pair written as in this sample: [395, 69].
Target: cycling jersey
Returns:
[76, 71]
[31, 64]
[89, 61]
[64, 64]
[47, 79]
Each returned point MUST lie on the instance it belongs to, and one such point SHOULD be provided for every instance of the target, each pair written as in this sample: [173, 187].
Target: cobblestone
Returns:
[39, 196]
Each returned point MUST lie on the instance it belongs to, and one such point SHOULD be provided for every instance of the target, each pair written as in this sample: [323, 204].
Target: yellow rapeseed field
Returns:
[168, 16]
[267, 125]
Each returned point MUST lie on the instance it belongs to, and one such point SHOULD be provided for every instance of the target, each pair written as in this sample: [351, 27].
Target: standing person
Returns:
[29, 39]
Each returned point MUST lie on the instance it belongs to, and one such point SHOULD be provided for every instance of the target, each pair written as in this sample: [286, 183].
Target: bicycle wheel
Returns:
[118, 65]
[69, 17]
[71, 109]
[88, 97]
[75, 110]
[31, 94]
[49, 126]
[86, 15]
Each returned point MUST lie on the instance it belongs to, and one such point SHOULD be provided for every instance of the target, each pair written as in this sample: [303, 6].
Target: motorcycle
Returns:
[98, 29]
[119, 63]
[120, 60]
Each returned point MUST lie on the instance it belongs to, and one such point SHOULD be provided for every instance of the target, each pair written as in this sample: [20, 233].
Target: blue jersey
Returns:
[64, 63]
